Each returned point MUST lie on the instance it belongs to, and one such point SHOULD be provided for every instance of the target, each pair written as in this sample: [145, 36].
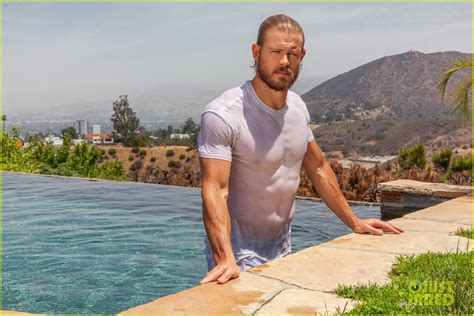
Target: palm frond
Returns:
[460, 101]
[444, 79]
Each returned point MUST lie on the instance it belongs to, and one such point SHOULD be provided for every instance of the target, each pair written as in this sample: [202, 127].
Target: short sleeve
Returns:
[310, 136]
[215, 137]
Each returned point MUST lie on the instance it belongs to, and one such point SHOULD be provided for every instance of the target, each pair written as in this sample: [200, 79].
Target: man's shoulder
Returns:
[231, 98]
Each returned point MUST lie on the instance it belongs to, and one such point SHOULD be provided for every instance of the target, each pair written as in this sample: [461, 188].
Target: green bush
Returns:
[81, 161]
[412, 156]
[130, 158]
[152, 159]
[461, 163]
[174, 164]
[182, 156]
[442, 159]
[112, 152]
[135, 150]
[138, 140]
[170, 153]
[136, 166]
[112, 171]
[143, 153]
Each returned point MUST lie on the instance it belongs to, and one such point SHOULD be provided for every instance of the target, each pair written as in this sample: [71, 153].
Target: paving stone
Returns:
[409, 242]
[425, 188]
[420, 225]
[299, 301]
[323, 268]
[242, 295]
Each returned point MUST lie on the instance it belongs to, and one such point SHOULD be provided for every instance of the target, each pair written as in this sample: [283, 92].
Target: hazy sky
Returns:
[62, 53]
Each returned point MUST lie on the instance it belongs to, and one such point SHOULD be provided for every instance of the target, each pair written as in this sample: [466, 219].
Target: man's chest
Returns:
[267, 142]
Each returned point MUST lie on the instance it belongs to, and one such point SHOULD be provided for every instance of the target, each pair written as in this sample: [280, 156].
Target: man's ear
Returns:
[303, 53]
[255, 51]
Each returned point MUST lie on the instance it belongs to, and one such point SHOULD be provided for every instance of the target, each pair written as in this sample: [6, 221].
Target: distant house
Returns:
[99, 138]
[179, 136]
[55, 140]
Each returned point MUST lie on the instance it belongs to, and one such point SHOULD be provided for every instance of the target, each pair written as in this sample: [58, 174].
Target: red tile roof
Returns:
[102, 135]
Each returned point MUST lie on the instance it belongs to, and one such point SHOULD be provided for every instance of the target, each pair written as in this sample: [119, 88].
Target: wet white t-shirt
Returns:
[266, 148]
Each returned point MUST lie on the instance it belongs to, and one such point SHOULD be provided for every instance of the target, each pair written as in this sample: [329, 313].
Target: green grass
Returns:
[394, 299]
[465, 232]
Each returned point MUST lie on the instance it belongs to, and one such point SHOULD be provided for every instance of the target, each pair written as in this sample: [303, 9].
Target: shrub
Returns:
[442, 159]
[412, 156]
[189, 149]
[182, 156]
[188, 159]
[112, 171]
[174, 164]
[464, 147]
[138, 140]
[130, 158]
[170, 153]
[143, 153]
[135, 150]
[136, 166]
[112, 152]
[461, 163]
[152, 159]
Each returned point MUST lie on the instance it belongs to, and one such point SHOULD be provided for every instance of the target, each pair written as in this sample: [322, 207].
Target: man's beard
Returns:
[277, 85]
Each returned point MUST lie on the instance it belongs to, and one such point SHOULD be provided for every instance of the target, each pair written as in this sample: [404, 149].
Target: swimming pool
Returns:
[78, 246]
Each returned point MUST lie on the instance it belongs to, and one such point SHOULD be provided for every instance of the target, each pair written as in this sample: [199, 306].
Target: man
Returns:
[253, 141]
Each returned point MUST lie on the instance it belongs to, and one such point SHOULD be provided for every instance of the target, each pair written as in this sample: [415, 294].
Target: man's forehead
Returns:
[289, 39]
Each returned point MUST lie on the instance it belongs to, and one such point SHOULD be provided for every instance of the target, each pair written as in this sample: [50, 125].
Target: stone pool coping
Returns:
[303, 282]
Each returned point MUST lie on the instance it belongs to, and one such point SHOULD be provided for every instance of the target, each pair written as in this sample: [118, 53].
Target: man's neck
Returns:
[274, 99]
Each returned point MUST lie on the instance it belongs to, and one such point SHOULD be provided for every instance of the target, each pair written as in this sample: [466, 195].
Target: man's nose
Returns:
[284, 60]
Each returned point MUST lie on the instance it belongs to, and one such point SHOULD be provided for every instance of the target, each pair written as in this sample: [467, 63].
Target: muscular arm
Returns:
[215, 179]
[325, 182]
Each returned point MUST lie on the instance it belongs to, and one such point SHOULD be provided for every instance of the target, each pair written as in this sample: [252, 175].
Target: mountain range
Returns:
[388, 103]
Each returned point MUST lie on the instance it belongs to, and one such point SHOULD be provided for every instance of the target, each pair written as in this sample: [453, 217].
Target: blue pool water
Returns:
[78, 246]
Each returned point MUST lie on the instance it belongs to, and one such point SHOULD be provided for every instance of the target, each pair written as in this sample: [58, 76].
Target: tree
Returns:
[460, 97]
[124, 119]
[4, 118]
[189, 126]
[71, 131]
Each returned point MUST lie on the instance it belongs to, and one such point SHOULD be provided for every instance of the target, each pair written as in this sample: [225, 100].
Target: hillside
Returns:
[386, 104]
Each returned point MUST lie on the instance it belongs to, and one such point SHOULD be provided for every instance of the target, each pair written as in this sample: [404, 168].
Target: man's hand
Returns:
[372, 225]
[223, 272]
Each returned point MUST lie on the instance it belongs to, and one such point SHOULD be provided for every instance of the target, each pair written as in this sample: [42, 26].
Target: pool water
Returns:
[78, 246]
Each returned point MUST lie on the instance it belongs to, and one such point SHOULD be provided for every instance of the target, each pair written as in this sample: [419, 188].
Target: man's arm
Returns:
[215, 179]
[325, 182]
